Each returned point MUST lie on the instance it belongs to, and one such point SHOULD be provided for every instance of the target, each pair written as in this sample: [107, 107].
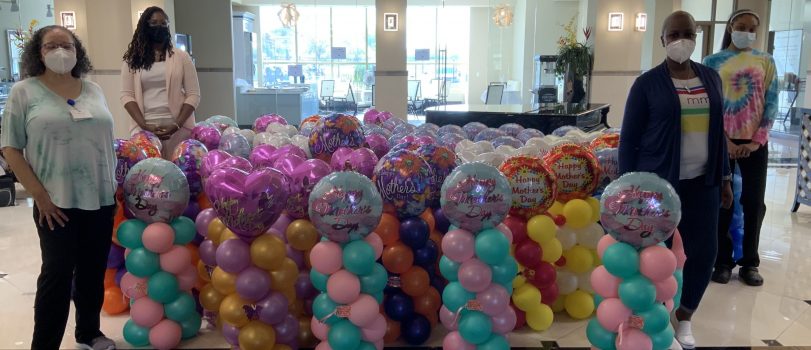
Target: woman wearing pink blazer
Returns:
[159, 87]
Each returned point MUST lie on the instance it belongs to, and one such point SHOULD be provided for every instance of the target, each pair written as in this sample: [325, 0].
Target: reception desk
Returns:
[585, 116]
[294, 103]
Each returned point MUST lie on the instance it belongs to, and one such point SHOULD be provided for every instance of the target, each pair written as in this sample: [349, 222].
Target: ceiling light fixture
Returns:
[503, 15]
[288, 15]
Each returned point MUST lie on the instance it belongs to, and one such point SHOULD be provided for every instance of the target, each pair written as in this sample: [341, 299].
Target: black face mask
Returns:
[159, 34]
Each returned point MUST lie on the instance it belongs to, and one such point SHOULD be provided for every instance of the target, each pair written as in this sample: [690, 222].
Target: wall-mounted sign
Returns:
[68, 19]
[390, 23]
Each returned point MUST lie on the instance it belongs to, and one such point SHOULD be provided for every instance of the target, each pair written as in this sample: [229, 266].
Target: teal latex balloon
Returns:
[184, 230]
[599, 337]
[663, 339]
[621, 260]
[504, 273]
[366, 346]
[323, 306]
[142, 263]
[656, 319]
[130, 232]
[379, 296]
[492, 246]
[344, 335]
[597, 300]
[359, 257]
[455, 296]
[181, 309]
[376, 281]
[162, 287]
[496, 342]
[449, 269]
[475, 327]
[191, 326]
[135, 334]
[319, 280]
[637, 293]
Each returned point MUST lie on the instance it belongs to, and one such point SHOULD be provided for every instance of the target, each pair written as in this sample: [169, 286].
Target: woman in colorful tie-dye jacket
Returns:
[750, 103]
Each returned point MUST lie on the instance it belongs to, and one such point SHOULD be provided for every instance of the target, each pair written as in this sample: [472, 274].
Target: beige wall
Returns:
[391, 73]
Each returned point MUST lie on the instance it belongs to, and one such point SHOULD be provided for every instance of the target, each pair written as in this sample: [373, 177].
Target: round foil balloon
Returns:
[310, 122]
[372, 117]
[345, 206]
[451, 129]
[442, 162]
[450, 140]
[640, 209]
[507, 140]
[563, 130]
[534, 186]
[605, 141]
[333, 132]
[512, 129]
[155, 190]
[221, 122]
[188, 156]
[247, 203]
[208, 135]
[127, 155]
[147, 136]
[489, 134]
[609, 164]
[472, 129]
[236, 145]
[476, 196]
[527, 134]
[403, 179]
[576, 169]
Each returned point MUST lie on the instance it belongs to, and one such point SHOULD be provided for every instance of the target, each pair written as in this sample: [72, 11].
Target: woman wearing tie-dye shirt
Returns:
[750, 104]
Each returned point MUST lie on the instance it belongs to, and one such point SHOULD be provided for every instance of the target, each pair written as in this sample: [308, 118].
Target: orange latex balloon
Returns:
[388, 229]
[210, 298]
[109, 278]
[301, 235]
[398, 258]
[436, 236]
[415, 281]
[114, 301]
[429, 303]
[428, 216]
[195, 255]
[202, 272]
[203, 201]
[433, 318]
[392, 330]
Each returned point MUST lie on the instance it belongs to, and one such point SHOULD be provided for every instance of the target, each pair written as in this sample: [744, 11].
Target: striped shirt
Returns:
[695, 127]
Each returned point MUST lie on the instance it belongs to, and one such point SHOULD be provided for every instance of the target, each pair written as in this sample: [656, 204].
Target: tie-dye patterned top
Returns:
[74, 160]
[750, 93]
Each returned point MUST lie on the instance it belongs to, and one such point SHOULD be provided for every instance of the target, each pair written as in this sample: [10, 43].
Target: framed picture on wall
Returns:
[68, 19]
[615, 20]
[390, 22]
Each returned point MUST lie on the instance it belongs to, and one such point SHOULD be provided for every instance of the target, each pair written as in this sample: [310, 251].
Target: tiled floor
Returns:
[730, 315]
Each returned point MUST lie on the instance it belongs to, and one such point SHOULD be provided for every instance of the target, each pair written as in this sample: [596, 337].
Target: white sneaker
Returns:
[675, 345]
[684, 335]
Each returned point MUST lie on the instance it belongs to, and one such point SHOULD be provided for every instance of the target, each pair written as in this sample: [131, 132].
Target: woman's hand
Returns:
[166, 132]
[49, 212]
[726, 194]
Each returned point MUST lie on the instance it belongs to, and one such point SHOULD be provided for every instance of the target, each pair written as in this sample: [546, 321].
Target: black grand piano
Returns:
[586, 116]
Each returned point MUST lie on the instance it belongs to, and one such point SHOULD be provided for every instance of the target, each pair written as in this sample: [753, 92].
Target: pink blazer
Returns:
[182, 85]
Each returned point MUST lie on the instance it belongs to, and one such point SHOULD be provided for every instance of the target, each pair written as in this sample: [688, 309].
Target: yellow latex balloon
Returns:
[519, 282]
[560, 304]
[257, 335]
[224, 282]
[227, 234]
[232, 311]
[301, 235]
[210, 298]
[290, 294]
[578, 213]
[268, 252]
[540, 318]
[596, 258]
[579, 305]
[579, 259]
[215, 228]
[541, 229]
[202, 271]
[595, 208]
[284, 277]
[552, 251]
[526, 297]
[556, 209]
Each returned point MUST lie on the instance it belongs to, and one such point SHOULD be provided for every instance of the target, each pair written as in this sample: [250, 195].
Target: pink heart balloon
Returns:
[236, 163]
[261, 156]
[212, 161]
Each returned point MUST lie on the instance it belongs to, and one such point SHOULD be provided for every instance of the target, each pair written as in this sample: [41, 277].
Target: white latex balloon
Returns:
[567, 282]
[484, 147]
[584, 282]
[590, 236]
[248, 133]
[567, 238]
[230, 130]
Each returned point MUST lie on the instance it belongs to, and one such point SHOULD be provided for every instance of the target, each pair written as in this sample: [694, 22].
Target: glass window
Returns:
[723, 9]
[698, 8]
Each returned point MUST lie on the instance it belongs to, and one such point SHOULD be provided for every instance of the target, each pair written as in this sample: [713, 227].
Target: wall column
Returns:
[391, 73]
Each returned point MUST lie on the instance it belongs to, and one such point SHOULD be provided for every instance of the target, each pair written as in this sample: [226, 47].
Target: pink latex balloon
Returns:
[176, 260]
[454, 341]
[604, 242]
[133, 287]
[670, 305]
[475, 276]
[377, 244]
[165, 335]
[657, 263]
[376, 330]
[158, 238]
[678, 249]
[146, 312]
[634, 339]
[447, 317]
[494, 299]
[187, 279]
[604, 283]
[326, 257]
[324, 345]
[506, 231]
[666, 289]
[320, 330]
[458, 245]
[612, 313]
[505, 322]
[364, 311]
[343, 287]
[379, 344]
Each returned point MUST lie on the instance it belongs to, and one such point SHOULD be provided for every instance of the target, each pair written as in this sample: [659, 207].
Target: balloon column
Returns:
[476, 259]
[160, 272]
[345, 208]
[640, 282]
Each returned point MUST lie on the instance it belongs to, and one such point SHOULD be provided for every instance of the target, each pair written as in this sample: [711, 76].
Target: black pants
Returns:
[77, 251]
[699, 220]
[753, 190]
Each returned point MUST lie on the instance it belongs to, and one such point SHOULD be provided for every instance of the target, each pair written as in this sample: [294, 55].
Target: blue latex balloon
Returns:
[191, 326]
[426, 256]
[455, 296]
[344, 335]
[601, 338]
[142, 263]
[185, 231]
[323, 306]
[621, 260]
[398, 306]
[359, 257]
[438, 283]
[504, 273]
[637, 293]
[496, 342]
[135, 334]
[319, 280]
[476, 196]
[375, 281]
[656, 319]
[414, 232]
[415, 330]
[181, 309]
[441, 222]
[663, 339]
[475, 327]
[492, 246]
[162, 287]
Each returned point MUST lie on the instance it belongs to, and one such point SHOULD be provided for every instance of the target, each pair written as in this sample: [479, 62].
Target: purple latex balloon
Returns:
[303, 179]
[208, 135]
[208, 252]
[507, 140]
[253, 283]
[297, 256]
[247, 203]
[527, 134]
[261, 156]
[211, 162]
[115, 257]
[119, 274]
[236, 144]
[203, 219]
[304, 287]
[378, 144]
[489, 134]
[192, 210]
[504, 322]
[272, 309]
[512, 129]
[230, 333]
[233, 255]
[281, 223]
[287, 330]
[472, 129]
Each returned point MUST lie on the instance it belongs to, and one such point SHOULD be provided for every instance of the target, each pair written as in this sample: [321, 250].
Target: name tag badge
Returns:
[79, 115]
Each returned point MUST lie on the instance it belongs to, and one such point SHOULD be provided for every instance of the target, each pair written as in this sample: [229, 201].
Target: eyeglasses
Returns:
[54, 46]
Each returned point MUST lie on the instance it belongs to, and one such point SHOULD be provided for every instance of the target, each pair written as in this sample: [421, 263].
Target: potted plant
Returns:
[575, 63]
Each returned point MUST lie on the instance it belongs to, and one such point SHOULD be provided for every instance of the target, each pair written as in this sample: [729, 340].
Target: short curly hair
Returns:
[32, 64]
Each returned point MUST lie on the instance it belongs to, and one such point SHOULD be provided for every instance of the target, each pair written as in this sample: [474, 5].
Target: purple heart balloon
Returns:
[247, 203]
[303, 179]
[287, 163]
[236, 163]
[291, 148]
[261, 156]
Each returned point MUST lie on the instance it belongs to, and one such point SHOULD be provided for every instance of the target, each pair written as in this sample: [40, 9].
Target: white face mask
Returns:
[60, 61]
[743, 40]
[680, 50]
